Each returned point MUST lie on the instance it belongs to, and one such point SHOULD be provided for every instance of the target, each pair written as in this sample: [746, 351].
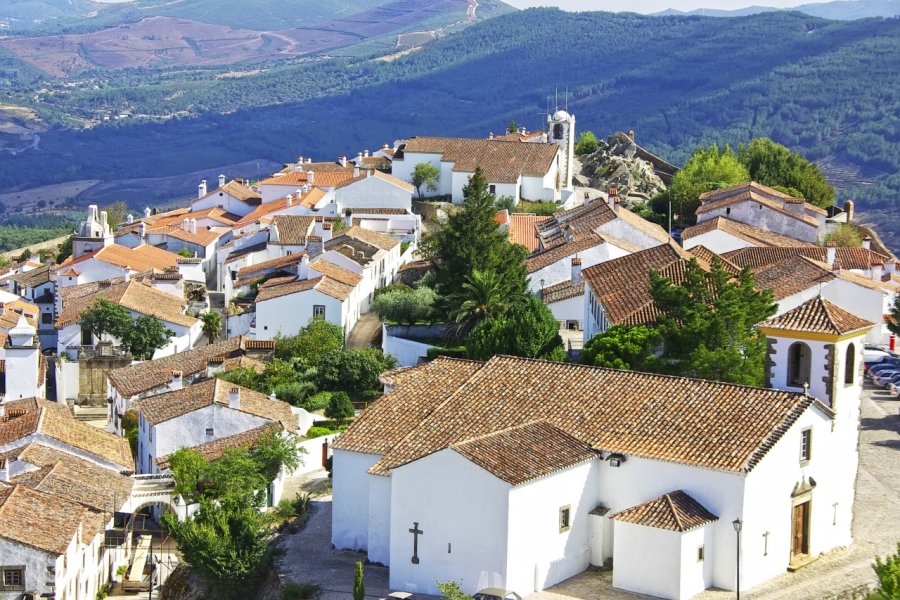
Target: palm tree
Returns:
[484, 294]
[212, 324]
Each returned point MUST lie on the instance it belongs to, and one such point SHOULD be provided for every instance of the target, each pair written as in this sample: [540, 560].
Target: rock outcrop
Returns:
[619, 163]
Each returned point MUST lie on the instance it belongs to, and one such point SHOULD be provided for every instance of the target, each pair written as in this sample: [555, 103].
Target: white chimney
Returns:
[356, 170]
[309, 160]
[213, 366]
[142, 230]
[272, 395]
[201, 189]
[613, 197]
[2, 410]
[366, 153]
[359, 158]
[890, 266]
[186, 224]
[129, 219]
[877, 271]
[303, 267]
[491, 135]
[310, 177]
[867, 242]
[177, 381]
[385, 147]
[304, 189]
[326, 232]
[221, 181]
[193, 225]
[234, 398]
[342, 160]
[830, 253]
[587, 198]
[127, 275]
[290, 198]
[576, 270]
[147, 212]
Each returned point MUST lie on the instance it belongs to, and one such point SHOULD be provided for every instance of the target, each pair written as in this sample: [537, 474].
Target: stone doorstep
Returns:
[801, 561]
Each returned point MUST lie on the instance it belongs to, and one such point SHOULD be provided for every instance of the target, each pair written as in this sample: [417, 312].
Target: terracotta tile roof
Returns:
[581, 218]
[335, 272]
[545, 258]
[138, 296]
[643, 225]
[236, 254]
[501, 161]
[215, 213]
[30, 415]
[253, 273]
[366, 174]
[34, 277]
[525, 452]
[818, 316]
[378, 211]
[293, 230]
[141, 258]
[148, 375]
[851, 258]
[501, 217]
[791, 276]
[706, 256]
[522, 230]
[31, 518]
[285, 286]
[392, 417]
[170, 405]
[562, 291]
[748, 233]
[74, 479]
[722, 193]
[622, 285]
[309, 200]
[204, 236]
[375, 239]
[328, 179]
[752, 192]
[688, 421]
[238, 191]
[519, 137]
[216, 448]
[675, 511]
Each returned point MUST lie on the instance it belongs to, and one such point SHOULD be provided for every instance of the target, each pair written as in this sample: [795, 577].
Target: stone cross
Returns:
[416, 533]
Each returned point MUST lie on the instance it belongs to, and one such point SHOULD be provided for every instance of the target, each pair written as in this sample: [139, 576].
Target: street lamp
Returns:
[738, 525]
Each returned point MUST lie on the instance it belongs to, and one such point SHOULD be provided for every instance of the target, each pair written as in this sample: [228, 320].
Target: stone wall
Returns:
[92, 378]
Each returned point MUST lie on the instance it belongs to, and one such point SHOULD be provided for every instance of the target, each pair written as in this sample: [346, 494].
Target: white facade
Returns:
[716, 240]
[184, 338]
[287, 315]
[759, 215]
[373, 192]
[561, 270]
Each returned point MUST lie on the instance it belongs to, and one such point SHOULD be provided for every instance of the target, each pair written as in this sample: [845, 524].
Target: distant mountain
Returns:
[839, 10]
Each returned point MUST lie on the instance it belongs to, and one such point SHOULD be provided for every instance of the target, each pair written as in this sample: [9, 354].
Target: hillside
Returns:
[843, 10]
[824, 88]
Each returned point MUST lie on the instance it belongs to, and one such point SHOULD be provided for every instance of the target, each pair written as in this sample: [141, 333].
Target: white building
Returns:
[24, 368]
[521, 170]
[578, 465]
[722, 234]
[113, 261]
[305, 177]
[766, 208]
[139, 298]
[38, 287]
[235, 197]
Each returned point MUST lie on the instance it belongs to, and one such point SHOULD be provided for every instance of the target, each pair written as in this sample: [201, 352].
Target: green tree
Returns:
[527, 328]
[24, 255]
[470, 240]
[275, 452]
[425, 174]
[115, 213]
[586, 143]
[65, 250]
[359, 586]
[188, 467]
[623, 347]
[105, 317]
[314, 341]
[893, 320]
[212, 324]
[144, 336]
[708, 324]
[354, 371]
[513, 127]
[339, 407]
[845, 236]
[484, 295]
[185, 253]
[405, 305]
[774, 165]
[226, 544]
[888, 573]
[708, 169]
[450, 590]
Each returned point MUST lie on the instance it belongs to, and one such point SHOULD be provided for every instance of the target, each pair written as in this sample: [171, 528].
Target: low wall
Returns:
[316, 449]
[400, 342]
[236, 325]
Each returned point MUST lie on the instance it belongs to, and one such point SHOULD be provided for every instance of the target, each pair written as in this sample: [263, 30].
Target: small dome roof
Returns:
[560, 115]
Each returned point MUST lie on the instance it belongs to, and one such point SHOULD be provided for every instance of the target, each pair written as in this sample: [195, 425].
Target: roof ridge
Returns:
[499, 431]
[674, 511]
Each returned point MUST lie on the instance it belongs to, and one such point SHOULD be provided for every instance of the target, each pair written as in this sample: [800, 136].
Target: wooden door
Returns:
[800, 530]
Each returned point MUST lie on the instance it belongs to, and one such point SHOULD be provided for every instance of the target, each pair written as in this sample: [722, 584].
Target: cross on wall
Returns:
[416, 533]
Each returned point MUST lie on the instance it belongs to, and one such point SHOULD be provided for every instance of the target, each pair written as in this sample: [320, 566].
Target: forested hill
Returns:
[828, 89]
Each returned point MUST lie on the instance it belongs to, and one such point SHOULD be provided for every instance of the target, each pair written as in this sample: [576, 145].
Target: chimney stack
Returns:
[576, 270]
[836, 267]
[587, 199]
[290, 197]
[186, 224]
[613, 197]
[867, 242]
[142, 230]
[221, 181]
[129, 219]
[201, 189]
[366, 153]
[310, 177]
[342, 160]
[848, 208]
[830, 253]
[213, 366]
[890, 266]
[4, 470]
[491, 135]
[877, 271]
[303, 266]
[177, 381]
[147, 212]
[356, 170]
[193, 225]
[234, 398]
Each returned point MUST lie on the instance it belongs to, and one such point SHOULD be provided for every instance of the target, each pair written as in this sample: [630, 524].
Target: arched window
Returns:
[557, 132]
[850, 365]
[799, 360]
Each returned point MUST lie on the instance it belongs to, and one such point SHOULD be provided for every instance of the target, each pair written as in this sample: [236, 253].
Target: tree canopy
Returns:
[586, 143]
[425, 174]
[405, 305]
[105, 317]
[708, 169]
[774, 165]
[526, 328]
[623, 347]
[145, 336]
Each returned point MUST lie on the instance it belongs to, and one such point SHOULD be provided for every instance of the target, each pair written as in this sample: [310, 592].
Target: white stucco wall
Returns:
[716, 240]
[287, 315]
[623, 230]
[462, 511]
[647, 560]
[379, 542]
[753, 213]
[350, 508]
[372, 192]
[403, 169]
[561, 270]
[571, 309]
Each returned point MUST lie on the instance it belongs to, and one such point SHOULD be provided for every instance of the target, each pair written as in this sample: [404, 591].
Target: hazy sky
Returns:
[649, 6]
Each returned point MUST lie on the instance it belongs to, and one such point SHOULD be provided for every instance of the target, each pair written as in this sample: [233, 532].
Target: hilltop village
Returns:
[282, 326]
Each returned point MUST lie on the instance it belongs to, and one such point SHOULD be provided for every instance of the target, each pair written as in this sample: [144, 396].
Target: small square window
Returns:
[14, 577]
[46, 318]
[210, 431]
[493, 189]
[318, 311]
[700, 554]
[805, 445]
[565, 518]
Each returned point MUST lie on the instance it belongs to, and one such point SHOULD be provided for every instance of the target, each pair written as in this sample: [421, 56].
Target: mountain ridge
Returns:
[837, 10]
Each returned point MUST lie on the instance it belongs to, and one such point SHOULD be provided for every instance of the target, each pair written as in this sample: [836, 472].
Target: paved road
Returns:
[365, 333]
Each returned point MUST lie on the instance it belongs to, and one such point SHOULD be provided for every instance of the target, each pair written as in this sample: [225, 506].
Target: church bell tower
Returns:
[93, 233]
[561, 131]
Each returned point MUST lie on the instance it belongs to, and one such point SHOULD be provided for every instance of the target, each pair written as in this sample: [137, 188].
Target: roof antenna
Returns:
[567, 98]
[556, 100]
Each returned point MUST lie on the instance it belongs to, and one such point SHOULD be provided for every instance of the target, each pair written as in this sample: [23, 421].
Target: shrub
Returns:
[359, 586]
[586, 143]
[301, 504]
[317, 401]
[506, 203]
[286, 509]
[888, 573]
[458, 352]
[301, 591]
[315, 432]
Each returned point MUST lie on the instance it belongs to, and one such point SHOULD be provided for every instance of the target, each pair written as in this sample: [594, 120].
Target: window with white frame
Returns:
[565, 518]
[805, 445]
[13, 578]
[318, 311]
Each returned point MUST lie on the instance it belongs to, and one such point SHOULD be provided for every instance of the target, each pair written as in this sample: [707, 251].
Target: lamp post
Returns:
[738, 525]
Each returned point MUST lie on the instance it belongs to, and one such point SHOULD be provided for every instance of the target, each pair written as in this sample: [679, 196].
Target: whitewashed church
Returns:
[519, 473]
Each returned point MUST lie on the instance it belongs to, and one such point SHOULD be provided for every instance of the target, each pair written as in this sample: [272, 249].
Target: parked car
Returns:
[870, 355]
[887, 380]
[883, 378]
[895, 390]
[882, 366]
[496, 594]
